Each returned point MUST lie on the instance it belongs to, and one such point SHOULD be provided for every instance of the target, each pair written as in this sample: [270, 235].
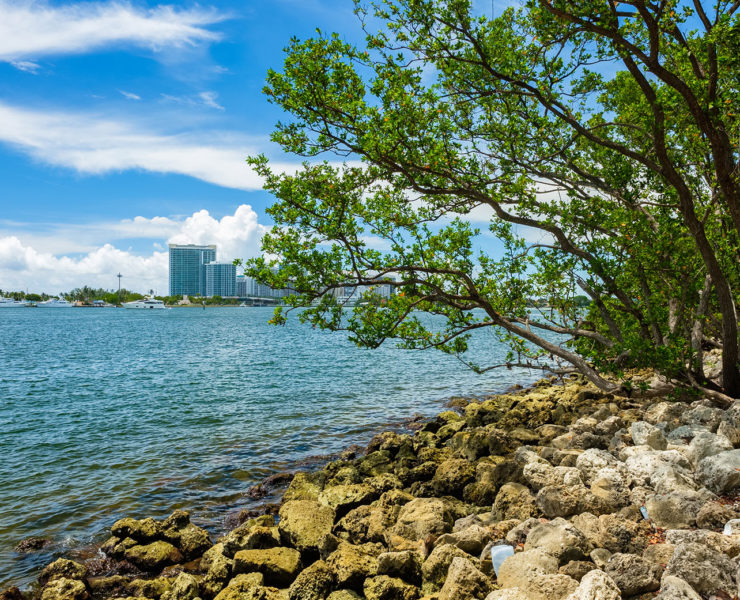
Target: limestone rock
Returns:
[676, 510]
[344, 595]
[154, 556]
[596, 585]
[62, 567]
[470, 540]
[464, 582]
[714, 515]
[721, 472]
[367, 523]
[406, 565]
[707, 444]
[551, 587]
[518, 570]
[240, 586]
[435, 567]
[351, 565]
[643, 462]
[538, 475]
[149, 588]
[185, 587]
[632, 574]
[144, 530]
[423, 517]
[452, 476]
[576, 569]
[508, 594]
[384, 587]
[280, 566]
[305, 486]
[559, 539]
[673, 588]
[313, 583]
[62, 588]
[343, 498]
[192, 541]
[724, 544]
[514, 501]
[705, 570]
[304, 522]
[560, 500]
[645, 434]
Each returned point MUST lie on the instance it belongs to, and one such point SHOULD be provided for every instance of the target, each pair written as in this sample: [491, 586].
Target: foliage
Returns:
[608, 128]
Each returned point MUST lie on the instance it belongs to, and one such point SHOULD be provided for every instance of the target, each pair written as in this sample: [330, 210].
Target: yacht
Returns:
[55, 303]
[11, 303]
[145, 303]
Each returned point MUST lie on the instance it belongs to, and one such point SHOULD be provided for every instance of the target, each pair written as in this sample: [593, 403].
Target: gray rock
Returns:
[516, 571]
[596, 585]
[559, 539]
[704, 415]
[643, 462]
[707, 444]
[632, 574]
[685, 433]
[539, 475]
[673, 588]
[704, 569]
[676, 510]
[601, 557]
[645, 434]
[721, 472]
[591, 461]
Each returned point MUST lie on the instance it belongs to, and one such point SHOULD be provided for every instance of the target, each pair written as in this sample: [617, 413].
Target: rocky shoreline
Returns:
[579, 494]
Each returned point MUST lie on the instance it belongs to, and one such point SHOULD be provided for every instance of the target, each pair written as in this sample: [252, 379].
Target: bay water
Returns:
[106, 413]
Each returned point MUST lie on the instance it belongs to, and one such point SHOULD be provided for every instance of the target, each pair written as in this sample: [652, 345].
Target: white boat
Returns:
[55, 303]
[146, 304]
[11, 303]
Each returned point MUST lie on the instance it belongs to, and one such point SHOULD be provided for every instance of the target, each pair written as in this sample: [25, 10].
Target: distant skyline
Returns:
[125, 126]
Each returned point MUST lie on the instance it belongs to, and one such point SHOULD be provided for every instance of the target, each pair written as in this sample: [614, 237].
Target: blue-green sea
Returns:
[107, 413]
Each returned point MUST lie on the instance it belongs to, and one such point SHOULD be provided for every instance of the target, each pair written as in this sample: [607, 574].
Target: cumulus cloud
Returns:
[24, 266]
[31, 29]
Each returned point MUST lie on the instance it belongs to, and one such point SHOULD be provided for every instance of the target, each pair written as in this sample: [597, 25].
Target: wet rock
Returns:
[673, 588]
[376, 463]
[559, 539]
[406, 565]
[31, 544]
[421, 518]
[153, 557]
[343, 498]
[11, 593]
[518, 570]
[435, 567]
[185, 587]
[645, 434]
[705, 570]
[721, 472]
[218, 569]
[65, 589]
[280, 566]
[241, 586]
[384, 587]
[144, 530]
[107, 587]
[576, 569]
[707, 444]
[313, 583]
[464, 582]
[149, 588]
[632, 574]
[596, 585]
[351, 565]
[303, 523]
[62, 568]
[514, 501]
[242, 537]
[714, 515]
[190, 539]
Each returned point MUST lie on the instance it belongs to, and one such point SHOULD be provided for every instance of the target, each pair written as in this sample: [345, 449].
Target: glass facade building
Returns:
[187, 268]
[220, 279]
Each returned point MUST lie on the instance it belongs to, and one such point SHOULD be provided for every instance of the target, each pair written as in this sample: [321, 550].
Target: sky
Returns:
[124, 126]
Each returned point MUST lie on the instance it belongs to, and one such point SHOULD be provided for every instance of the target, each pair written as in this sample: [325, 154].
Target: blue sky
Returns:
[125, 125]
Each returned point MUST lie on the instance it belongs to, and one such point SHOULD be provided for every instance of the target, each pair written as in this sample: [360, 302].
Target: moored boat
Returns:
[146, 304]
[11, 303]
[55, 303]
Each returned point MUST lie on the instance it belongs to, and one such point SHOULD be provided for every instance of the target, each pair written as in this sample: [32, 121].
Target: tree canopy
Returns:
[608, 128]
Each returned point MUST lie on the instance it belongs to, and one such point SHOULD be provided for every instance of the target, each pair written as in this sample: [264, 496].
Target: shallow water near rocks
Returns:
[106, 413]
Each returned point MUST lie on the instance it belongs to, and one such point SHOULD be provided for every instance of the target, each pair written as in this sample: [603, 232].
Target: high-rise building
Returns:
[220, 279]
[187, 268]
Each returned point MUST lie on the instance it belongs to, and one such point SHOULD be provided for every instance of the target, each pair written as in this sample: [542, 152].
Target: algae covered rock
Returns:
[514, 501]
[305, 486]
[351, 565]
[464, 582]
[63, 588]
[149, 588]
[185, 587]
[143, 530]
[304, 522]
[343, 498]
[280, 566]
[384, 587]
[313, 583]
[154, 556]
[435, 567]
[241, 586]
[62, 567]
[423, 517]
[452, 476]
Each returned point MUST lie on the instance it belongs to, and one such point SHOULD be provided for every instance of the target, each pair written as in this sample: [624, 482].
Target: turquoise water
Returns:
[107, 413]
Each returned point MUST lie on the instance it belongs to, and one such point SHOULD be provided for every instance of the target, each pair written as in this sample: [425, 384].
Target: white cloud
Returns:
[26, 65]
[34, 28]
[209, 99]
[90, 144]
[202, 99]
[24, 266]
[129, 95]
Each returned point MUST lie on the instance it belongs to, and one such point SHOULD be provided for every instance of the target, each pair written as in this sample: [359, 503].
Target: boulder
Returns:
[406, 565]
[714, 515]
[280, 566]
[313, 583]
[518, 570]
[384, 587]
[367, 523]
[464, 582]
[673, 588]
[62, 567]
[724, 544]
[303, 523]
[185, 587]
[514, 501]
[642, 462]
[659, 554]
[143, 530]
[452, 476]
[471, 540]
[596, 585]
[559, 539]
[305, 486]
[62, 588]
[676, 510]
[721, 472]
[539, 475]
[343, 498]
[633, 574]
[576, 569]
[703, 414]
[645, 434]
[707, 444]
[191, 540]
[421, 518]
[551, 587]
[560, 500]
[704, 569]
[149, 588]
[351, 565]
[241, 586]
[154, 556]
[435, 567]
[344, 595]
[611, 488]
[508, 594]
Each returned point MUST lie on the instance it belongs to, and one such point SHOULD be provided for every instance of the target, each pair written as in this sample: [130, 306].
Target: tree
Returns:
[609, 127]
